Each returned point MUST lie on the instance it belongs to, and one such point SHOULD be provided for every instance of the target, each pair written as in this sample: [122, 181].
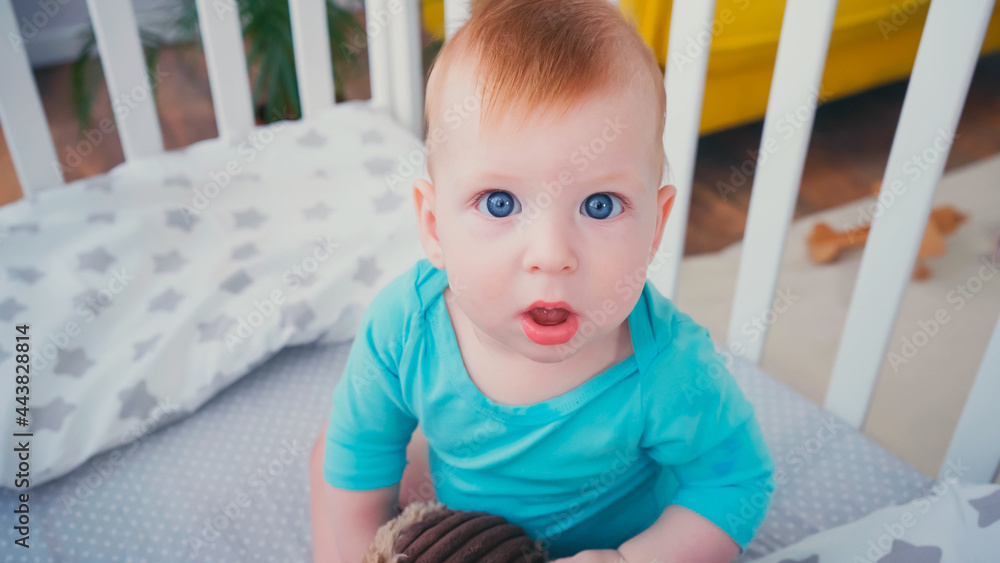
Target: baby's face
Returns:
[545, 232]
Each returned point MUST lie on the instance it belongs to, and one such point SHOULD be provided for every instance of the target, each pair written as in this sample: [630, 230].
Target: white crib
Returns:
[948, 51]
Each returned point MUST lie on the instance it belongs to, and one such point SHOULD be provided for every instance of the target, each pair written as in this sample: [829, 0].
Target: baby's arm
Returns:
[356, 517]
[370, 427]
[680, 535]
[702, 429]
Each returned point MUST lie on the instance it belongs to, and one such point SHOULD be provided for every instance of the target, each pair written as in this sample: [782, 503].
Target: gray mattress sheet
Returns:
[230, 482]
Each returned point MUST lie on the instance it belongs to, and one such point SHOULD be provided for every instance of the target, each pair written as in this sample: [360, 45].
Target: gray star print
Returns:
[181, 218]
[903, 552]
[72, 362]
[179, 180]
[321, 173]
[320, 211]
[387, 202]
[25, 227]
[249, 219]
[810, 559]
[106, 217]
[97, 259]
[988, 508]
[3, 355]
[298, 314]
[28, 275]
[215, 329]
[136, 402]
[379, 166]
[165, 301]
[141, 347]
[49, 416]
[312, 139]
[367, 271]
[245, 251]
[169, 262]
[9, 308]
[89, 300]
[236, 282]
[371, 136]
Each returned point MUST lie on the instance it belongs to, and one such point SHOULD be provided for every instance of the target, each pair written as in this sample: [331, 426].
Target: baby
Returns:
[552, 384]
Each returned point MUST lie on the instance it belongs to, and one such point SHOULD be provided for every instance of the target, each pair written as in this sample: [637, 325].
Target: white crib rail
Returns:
[21, 113]
[222, 39]
[129, 86]
[406, 51]
[975, 440]
[684, 80]
[455, 14]
[798, 70]
[313, 64]
[949, 48]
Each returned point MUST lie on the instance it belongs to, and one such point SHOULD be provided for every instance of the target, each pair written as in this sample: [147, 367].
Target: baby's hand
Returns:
[594, 556]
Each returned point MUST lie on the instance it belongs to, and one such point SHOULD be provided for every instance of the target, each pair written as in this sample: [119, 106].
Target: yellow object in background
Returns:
[874, 42]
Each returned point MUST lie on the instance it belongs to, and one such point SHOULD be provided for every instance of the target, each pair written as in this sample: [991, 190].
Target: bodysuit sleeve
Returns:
[370, 423]
[699, 425]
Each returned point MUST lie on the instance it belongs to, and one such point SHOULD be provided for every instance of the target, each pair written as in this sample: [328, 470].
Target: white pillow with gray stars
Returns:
[952, 522]
[149, 289]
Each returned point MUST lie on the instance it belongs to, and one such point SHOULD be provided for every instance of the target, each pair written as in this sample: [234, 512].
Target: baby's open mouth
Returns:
[549, 323]
[548, 317]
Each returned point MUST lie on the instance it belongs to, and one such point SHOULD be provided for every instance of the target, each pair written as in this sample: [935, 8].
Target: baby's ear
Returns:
[664, 203]
[423, 201]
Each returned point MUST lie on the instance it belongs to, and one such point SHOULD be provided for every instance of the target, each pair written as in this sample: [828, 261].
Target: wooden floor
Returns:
[847, 155]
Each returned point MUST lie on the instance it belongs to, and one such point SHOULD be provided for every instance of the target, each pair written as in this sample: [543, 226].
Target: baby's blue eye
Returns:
[499, 204]
[601, 206]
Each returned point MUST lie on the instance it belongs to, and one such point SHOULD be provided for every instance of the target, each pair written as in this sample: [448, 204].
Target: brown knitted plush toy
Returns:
[430, 532]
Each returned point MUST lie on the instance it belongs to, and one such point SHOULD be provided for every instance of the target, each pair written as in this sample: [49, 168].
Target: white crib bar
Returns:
[407, 66]
[129, 85]
[21, 114]
[222, 38]
[975, 441]
[798, 71]
[379, 66]
[456, 12]
[690, 24]
[313, 64]
[946, 57]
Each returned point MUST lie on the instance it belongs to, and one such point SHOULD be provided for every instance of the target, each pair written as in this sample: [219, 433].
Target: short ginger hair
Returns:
[546, 54]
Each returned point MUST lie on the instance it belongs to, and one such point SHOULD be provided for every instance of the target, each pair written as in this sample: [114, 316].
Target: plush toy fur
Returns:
[430, 532]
